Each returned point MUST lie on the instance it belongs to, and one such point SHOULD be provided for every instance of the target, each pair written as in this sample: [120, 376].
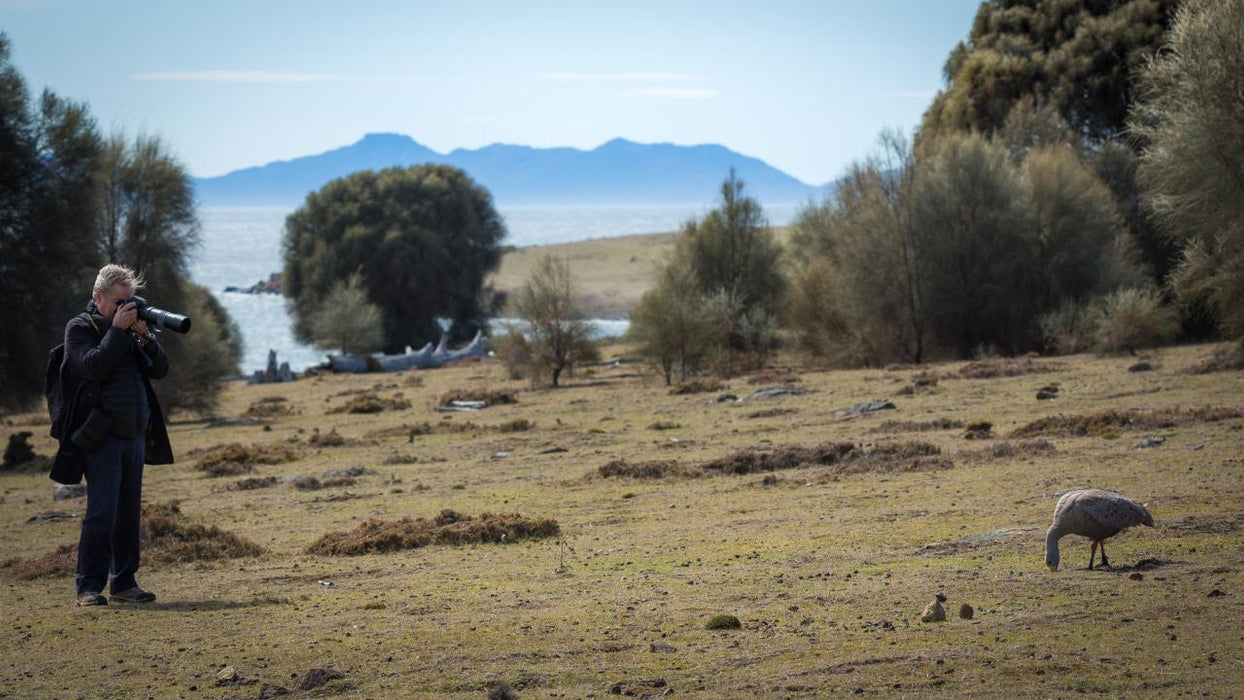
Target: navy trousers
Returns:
[108, 547]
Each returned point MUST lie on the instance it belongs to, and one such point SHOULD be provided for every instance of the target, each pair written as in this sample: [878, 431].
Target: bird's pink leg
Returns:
[1092, 554]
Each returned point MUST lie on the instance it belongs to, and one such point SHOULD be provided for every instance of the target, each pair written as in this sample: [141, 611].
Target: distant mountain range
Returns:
[616, 172]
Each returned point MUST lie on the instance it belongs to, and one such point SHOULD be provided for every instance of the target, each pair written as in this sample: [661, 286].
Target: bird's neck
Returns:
[1052, 536]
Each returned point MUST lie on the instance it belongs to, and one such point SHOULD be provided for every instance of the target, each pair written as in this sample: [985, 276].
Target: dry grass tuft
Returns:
[841, 457]
[665, 469]
[492, 397]
[774, 376]
[696, 386]
[1010, 367]
[664, 425]
[518, 425]
[253, 482]
[234, 459]
[269, 407]
[371, 403]
[167, 537]
[901, 426]
[1007, 450]
[1226, 360]
[447, 528]
[59, 562]
[311, 483]
[921, 383]
[329, 439]
[1105, 422]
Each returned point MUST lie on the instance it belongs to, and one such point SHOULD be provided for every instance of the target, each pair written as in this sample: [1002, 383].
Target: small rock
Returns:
[1047, 394]
[1217, 593]
[776, 391]
[51, 515]
[933, 612]
[64, 492]
[1151, 441]
[966, 612]
[1137, 576]
[726, 398]
[227, 676]
[267, 692]
[500, 455]
[860, 409]
[1197, 447]
[325, 583]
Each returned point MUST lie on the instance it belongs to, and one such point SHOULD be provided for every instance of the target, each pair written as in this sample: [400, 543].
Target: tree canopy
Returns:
[1079, 56]
[423, 238]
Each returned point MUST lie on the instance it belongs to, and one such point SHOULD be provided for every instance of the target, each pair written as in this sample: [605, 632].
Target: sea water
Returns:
[242, 246]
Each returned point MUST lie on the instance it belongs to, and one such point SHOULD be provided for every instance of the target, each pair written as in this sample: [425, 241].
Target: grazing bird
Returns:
[1095, 514]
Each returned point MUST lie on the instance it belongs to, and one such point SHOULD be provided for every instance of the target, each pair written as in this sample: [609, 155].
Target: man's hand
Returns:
[140, 327]
[125, 316]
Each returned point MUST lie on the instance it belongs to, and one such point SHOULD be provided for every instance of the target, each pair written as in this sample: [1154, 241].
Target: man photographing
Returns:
[111, 425]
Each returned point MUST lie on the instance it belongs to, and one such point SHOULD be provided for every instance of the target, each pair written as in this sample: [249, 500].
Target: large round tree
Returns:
[422, 240]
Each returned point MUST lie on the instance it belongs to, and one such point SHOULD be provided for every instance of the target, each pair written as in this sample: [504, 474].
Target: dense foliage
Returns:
[423, 239]
[1190, 116]
[718, 299]
[70, 201]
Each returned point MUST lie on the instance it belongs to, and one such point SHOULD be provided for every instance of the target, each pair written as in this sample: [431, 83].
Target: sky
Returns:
[806, 86]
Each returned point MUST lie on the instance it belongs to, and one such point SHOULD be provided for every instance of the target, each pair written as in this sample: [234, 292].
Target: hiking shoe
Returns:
[134, 595]
[86, 599]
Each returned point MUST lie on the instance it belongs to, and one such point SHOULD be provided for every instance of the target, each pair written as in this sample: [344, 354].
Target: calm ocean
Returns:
[243, 245]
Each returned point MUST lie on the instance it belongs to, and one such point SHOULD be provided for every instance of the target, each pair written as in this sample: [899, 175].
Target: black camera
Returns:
[158, 317]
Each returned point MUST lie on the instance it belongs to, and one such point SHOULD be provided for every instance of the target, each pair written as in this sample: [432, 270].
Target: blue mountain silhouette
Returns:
[616, 172]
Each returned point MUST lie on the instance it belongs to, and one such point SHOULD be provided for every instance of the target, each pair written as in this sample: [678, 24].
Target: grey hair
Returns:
[112, 275]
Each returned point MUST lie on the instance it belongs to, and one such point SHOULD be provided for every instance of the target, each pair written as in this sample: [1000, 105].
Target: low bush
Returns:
[492, 397]
[897, 426]
[269, 407]
[1133, 319]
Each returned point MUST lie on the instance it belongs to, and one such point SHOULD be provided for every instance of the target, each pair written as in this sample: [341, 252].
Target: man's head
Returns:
[114, 284]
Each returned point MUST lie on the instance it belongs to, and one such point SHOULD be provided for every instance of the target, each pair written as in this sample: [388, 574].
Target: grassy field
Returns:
[827, 567]
[611, 274]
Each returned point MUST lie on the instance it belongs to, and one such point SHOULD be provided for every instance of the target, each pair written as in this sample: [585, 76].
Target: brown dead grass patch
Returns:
[840, 457]
[1226, 360]
[696, 386]
[234, 458]
[1008, 367]
[269, 407]
[1113, 420]
[1007, 450]
[167, 536]
[253, 482]
[447, 528]
[58, 562]
[330, 439]
[907, 426]
[492, 397]
[371, 403]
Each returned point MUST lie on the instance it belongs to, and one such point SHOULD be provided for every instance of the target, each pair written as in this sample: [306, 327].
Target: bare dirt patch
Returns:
[1114, 420]
[447, 528]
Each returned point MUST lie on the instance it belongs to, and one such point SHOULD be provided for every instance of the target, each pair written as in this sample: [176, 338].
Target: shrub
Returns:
[1133, 319]
[723, 622]
[371, 403]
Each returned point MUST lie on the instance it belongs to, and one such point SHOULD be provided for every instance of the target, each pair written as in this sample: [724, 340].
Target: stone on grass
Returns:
[933, 612]
[64, 492]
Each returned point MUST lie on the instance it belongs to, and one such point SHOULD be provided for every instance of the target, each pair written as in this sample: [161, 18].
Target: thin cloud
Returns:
[625, 77]
[667, 93]
[239, 76]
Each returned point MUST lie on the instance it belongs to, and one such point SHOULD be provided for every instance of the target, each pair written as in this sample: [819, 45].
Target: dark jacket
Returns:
[94, 351]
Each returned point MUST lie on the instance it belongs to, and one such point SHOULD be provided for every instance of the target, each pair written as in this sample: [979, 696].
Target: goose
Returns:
[1093, 513]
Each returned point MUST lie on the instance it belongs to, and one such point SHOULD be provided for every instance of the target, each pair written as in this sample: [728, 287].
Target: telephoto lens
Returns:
[159, 317]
